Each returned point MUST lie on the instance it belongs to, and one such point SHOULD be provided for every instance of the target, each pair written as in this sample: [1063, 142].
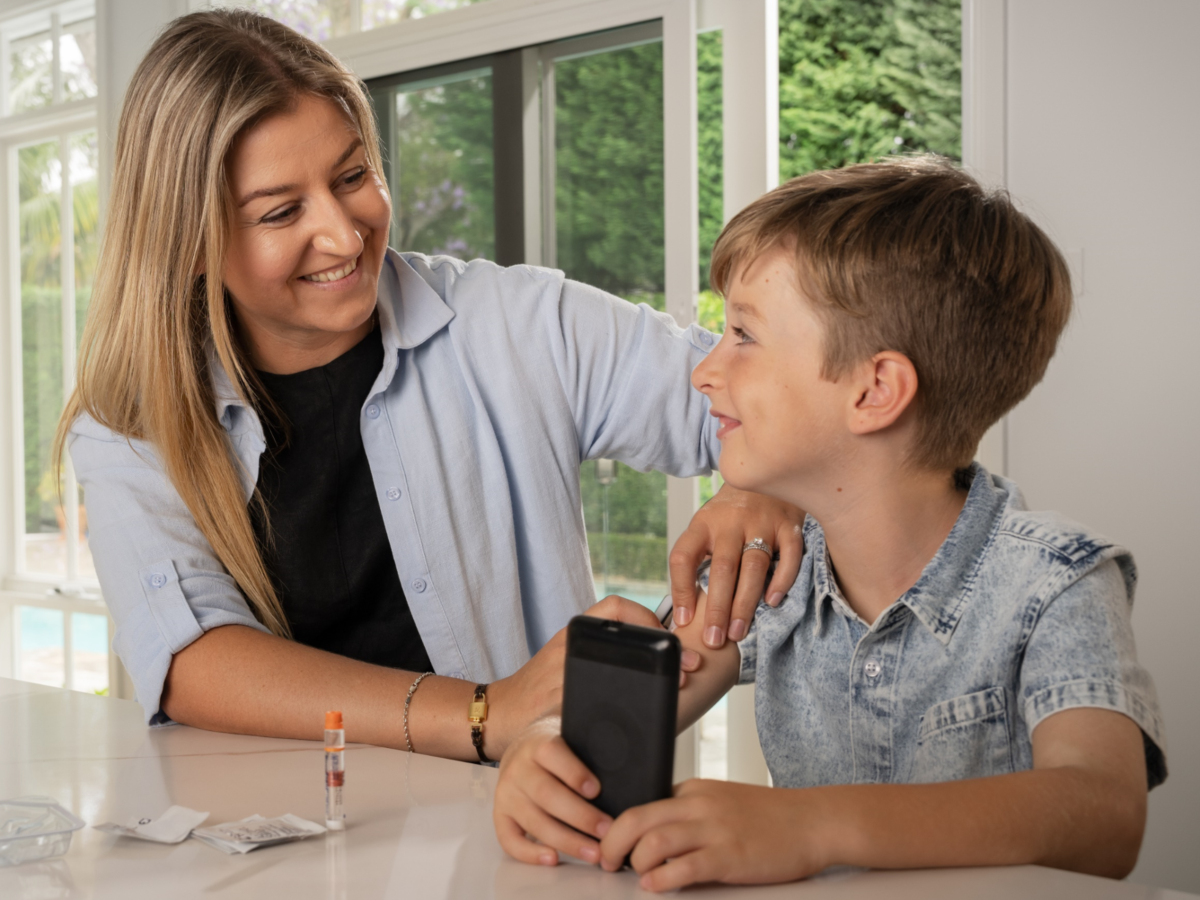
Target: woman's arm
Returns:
[1082, 807]
[239, 680]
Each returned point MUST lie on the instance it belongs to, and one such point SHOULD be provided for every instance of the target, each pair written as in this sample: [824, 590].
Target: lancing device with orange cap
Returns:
[335, 771]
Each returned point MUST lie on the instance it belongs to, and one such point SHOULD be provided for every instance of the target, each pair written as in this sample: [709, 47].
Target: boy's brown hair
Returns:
[913, 255]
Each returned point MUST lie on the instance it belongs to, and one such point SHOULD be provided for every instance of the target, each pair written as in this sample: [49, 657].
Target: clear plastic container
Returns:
[33, 828]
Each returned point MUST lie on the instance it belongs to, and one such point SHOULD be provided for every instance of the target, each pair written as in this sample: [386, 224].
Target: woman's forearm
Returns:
[238, 680]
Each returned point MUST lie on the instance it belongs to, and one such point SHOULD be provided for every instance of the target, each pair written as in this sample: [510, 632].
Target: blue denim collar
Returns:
[940, 596]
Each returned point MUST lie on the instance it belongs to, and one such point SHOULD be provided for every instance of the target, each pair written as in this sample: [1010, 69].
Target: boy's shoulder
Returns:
[1051, 545]
[999, 551]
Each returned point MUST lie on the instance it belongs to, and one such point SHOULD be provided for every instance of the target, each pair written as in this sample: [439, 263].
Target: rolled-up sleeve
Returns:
[1081, 654]
[159, 575]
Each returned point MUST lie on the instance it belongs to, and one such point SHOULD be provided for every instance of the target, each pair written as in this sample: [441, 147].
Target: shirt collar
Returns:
[410, 313]
[940, 596]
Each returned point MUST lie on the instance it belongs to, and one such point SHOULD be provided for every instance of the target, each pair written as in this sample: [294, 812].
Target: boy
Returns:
[952, 679]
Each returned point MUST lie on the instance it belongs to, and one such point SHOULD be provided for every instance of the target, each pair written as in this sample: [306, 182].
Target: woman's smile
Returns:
[338, 277]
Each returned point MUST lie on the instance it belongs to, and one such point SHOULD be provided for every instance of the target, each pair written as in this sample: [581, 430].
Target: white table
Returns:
[417, 828]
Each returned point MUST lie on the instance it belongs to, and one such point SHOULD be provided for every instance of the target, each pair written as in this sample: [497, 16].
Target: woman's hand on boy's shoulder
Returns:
[737, 578]
[542, 796]
[719, 831]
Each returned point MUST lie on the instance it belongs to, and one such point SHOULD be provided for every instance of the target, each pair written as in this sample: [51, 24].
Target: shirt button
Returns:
[419, 585]
[372, 411]
[158, 579]
[393, 493]
[454, 674]
[706, 339]
[872, 669]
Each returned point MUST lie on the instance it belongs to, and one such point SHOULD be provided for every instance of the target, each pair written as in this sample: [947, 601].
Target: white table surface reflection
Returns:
[417, 827]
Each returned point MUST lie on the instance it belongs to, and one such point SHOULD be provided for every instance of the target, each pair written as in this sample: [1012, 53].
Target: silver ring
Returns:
[759, 544]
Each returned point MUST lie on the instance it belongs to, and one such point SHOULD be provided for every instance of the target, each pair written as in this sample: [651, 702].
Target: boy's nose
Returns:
[706, 374]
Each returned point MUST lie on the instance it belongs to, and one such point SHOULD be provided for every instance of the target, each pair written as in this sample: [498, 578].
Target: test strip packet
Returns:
[172, 827]
[256, 831]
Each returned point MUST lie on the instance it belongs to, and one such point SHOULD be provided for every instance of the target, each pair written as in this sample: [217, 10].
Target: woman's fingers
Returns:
[687, 554]
[751, 580]
[722, 580]
[790, 548]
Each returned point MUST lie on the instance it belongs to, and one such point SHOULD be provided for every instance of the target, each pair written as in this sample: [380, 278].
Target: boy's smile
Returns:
[778, 415]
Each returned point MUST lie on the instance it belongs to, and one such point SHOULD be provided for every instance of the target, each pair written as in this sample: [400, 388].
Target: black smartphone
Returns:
[620, 698]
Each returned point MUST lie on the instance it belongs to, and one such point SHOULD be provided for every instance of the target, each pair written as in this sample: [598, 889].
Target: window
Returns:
[50, 192]
[323, 19]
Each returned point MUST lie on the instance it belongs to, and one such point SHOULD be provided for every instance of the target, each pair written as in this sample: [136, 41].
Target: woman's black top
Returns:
[328, 551]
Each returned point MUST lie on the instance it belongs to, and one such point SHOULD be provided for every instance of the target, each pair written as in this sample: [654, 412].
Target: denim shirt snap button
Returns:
[872, 669]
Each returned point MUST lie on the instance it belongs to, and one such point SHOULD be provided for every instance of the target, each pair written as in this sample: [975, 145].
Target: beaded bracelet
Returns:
[408, 700]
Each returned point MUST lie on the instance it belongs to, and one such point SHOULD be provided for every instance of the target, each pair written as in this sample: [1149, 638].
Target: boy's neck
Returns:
[883, 531]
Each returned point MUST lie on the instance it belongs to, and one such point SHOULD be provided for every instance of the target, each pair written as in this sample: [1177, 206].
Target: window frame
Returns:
[59, 121]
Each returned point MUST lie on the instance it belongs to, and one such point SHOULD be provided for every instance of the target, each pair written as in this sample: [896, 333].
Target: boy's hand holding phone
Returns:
[720, 831]
[544, 788]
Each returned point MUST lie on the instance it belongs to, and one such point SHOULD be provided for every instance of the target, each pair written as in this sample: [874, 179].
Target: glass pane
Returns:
[86, 202]
[385, 12]
[711, 133]
[40, 182]
[89, 649]
[609, 232]
[322, 19]
[77, 51]
[30, 72]
[440, 165]
[40, 653]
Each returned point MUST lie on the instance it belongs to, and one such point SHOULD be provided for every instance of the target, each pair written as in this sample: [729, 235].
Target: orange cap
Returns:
[333, 721]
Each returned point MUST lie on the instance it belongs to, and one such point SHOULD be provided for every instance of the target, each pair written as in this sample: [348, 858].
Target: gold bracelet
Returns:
[477, 715]
[408, 700]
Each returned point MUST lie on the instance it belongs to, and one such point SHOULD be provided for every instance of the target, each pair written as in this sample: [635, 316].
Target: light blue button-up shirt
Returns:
[496, 384]
[1018, 616]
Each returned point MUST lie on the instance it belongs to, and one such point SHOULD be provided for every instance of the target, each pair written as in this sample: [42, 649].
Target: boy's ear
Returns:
[886, 386]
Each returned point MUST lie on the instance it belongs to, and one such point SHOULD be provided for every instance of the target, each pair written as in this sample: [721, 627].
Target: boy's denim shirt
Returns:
[1018, 616]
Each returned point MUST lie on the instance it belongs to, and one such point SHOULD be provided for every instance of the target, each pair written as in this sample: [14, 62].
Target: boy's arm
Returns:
[544, 789]
[1082, 807]
[718, 671]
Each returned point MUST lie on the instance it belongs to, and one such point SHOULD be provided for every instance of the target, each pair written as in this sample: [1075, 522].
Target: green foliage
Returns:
[439, 160]
[609, 171]
[860, 79]
[632, 557]
[39, 197]
[711, 136]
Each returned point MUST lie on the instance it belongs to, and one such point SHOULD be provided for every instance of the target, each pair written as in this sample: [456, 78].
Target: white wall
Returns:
[1102, 132]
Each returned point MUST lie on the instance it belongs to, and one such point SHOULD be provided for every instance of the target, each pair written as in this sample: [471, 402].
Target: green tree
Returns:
[860, 79]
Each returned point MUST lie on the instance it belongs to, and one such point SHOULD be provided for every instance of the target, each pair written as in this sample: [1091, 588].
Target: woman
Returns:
[286, 430]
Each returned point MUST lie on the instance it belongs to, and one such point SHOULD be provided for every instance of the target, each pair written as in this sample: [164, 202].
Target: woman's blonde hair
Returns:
[144, 364]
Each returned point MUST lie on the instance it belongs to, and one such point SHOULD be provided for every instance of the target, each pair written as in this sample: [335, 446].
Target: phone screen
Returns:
[620, 697]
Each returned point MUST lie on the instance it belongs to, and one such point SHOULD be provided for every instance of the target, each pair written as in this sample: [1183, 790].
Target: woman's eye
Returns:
[279, 216]
[356, 176]
[741, 335]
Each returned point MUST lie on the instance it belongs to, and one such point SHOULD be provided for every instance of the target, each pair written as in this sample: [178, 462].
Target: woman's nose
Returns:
[337, 233]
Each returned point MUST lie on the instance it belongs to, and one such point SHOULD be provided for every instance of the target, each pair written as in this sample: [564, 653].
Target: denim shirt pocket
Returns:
[965, 737]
